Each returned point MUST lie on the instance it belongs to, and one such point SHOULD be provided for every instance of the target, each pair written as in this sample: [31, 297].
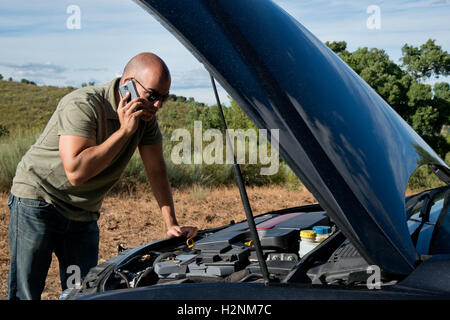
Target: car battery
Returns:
[277, 238]
[233, 256]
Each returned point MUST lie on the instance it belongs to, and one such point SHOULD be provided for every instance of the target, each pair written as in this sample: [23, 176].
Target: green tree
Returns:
[236, 117]
[339, 47]
[425, 107]
[25, 81]
[208, 115]
[90, 83]
[430, 105]
[426, 61]
[1, 77]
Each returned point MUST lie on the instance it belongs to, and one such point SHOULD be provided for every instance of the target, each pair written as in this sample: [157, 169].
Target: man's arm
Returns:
[83, 159]
[155, 167]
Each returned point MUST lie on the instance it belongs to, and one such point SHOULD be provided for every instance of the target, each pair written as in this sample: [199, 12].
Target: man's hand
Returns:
[128, 116]
[177, 231]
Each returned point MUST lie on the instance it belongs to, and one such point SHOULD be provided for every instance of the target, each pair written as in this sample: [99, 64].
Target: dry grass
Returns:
[134, 219]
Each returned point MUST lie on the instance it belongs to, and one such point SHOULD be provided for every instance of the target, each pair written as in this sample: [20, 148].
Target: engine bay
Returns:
[228, 255]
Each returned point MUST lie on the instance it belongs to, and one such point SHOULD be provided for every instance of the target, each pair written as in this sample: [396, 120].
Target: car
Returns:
[351, 150]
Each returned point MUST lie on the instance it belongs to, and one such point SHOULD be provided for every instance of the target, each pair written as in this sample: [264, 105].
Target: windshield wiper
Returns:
[244, 197]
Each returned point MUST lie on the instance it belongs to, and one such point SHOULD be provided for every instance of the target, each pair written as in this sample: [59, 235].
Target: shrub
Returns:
[3, 131]
[12, 149]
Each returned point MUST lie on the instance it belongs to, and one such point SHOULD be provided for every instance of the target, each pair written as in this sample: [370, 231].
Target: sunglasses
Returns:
[153, 95]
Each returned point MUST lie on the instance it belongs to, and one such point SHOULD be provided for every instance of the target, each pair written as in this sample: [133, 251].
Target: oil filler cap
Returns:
[309, 234]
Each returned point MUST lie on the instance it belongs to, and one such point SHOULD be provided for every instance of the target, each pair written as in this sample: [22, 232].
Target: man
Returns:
[62, 180]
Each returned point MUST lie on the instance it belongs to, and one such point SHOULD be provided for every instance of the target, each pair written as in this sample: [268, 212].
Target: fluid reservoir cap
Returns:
[309, 234]
[322, 229]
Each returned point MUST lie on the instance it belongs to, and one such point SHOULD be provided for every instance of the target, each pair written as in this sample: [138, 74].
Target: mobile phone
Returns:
[128, 87]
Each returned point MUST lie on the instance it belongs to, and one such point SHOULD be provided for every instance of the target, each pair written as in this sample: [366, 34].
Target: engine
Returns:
[228, 254]
[225, 255]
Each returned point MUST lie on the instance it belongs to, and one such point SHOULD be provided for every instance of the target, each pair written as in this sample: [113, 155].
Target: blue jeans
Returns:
[36, 230]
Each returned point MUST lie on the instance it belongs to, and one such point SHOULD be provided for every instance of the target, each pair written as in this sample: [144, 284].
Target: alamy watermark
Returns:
[74, 280]
[374, 280]
[213, 152]
[374, 20]
[74, 20]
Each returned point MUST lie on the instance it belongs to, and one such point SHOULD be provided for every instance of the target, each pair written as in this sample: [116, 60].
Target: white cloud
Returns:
[114, 31]
[194, 78]
[412, 22]
[36, 69]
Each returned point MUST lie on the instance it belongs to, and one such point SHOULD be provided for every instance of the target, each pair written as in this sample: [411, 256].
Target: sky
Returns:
[66, 43]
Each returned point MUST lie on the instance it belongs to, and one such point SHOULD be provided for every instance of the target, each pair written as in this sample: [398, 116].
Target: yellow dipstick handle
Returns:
[190, 243]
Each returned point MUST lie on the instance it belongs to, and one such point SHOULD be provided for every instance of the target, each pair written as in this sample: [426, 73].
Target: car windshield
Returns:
[429, 222]
[441, 239]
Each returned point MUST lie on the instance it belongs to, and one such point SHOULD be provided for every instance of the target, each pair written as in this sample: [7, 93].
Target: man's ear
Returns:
[124, 80]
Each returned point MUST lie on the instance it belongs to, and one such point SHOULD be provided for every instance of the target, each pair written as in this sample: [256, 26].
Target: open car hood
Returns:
[345, 143]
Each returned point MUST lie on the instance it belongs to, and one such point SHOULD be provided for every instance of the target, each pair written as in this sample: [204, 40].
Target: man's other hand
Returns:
[177, 231]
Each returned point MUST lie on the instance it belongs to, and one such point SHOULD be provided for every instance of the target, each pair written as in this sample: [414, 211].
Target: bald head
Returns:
[148, 67]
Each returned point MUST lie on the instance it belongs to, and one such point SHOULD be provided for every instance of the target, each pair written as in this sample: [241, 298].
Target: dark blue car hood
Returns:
[345, 143]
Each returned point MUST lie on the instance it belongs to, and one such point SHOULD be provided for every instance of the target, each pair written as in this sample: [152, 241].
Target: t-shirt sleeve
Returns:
[77, 119]
[152, 134]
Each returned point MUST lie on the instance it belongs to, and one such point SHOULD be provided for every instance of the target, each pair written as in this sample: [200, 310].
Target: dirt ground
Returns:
[134, 219]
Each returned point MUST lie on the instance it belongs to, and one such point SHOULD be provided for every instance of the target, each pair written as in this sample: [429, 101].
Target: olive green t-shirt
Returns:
[87, 112]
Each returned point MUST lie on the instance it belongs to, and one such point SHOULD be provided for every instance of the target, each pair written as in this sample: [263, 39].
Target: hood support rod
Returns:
[244, 197]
